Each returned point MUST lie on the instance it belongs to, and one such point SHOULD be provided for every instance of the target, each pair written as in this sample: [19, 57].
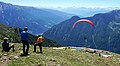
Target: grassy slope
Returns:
[10, 32]
[56, 58]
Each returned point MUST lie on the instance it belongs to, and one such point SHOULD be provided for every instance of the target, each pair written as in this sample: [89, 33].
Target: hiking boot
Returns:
[40, 52]
[13, 50]
[23, 55]
[34, 51]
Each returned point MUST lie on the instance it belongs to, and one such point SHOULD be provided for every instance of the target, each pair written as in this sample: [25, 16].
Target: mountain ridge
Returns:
[105, 34]
[21, 16]
[87, 11]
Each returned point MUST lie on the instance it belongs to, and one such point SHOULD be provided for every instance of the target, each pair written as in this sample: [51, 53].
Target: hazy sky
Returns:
[65, 3]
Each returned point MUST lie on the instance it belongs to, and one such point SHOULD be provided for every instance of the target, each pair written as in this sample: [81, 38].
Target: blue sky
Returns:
[65, 3]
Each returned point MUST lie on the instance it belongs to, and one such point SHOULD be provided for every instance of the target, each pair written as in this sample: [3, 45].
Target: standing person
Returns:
[6, 46]
[24, 38]
[85, 39]
[39, 43]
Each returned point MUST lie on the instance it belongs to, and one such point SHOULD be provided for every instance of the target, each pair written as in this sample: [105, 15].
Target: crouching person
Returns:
[6, 46]
[39, 43]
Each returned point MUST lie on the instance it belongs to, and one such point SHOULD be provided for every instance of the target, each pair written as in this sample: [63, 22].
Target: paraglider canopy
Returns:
[83, 20]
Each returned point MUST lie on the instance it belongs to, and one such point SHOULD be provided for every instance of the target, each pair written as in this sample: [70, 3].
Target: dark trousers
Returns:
[25, 47]
[40, 46]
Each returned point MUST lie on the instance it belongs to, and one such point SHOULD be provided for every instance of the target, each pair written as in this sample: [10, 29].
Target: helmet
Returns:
[25, 28]
[39, 35]
[5, 38]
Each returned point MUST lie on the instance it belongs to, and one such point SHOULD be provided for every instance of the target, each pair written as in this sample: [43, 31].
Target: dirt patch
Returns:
[4, 60]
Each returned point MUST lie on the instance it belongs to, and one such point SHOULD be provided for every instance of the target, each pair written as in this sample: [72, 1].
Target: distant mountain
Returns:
[38, 20]
[104, 35]
[59, 13]
[85, 12]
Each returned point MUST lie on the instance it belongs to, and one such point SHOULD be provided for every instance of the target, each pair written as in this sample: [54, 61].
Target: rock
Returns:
[118, 59]
[16, 57]
[28, 56]
[5, 58]
[0, 59]
[58, 65]
[53, 60]
[21, 52]
[5, 54]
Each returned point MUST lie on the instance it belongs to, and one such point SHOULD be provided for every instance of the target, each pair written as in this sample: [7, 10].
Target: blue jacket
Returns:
[24, 35]
[5, 45]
